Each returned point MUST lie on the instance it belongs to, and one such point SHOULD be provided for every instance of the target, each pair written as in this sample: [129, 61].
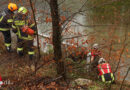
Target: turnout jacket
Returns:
[104, 69]
[105, 73]
[6, 19]
[18, 23]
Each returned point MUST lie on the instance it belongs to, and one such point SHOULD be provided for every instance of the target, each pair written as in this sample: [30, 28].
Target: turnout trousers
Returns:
[7, 39]
[29, 45]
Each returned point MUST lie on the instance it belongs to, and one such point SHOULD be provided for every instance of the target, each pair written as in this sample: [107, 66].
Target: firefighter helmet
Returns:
[12, 7]
[22, 10]
[101, 60]
[95, 46]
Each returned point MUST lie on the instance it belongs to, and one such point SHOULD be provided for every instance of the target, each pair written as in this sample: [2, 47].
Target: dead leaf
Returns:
[119, 40]
[128, 33]
[127, 50]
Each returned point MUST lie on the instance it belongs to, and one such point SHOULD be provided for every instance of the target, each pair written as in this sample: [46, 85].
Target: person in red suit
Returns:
[105, 72]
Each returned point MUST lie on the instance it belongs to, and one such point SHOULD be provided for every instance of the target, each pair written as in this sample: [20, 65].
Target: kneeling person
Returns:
[105, 73]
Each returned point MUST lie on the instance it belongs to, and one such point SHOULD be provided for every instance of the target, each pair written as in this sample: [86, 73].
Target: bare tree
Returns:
[57, 37]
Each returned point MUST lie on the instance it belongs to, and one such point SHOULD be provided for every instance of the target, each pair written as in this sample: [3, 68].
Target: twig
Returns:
[124, 78]
[73, 15]
[39, 55]
[110, 50]
[76, 36]
[92, 25]
[125, 44]
[80, 10]
[61, 2]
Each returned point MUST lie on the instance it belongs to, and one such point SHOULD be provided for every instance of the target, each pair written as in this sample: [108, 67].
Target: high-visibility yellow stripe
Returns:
[108, 82]
[112, 76]
[103, 78]
[108, 68]
[19, 49]
[13, 26]
[7, 44]
[32, 25]
[102, 70]
[10, 20]
[31, 53]
[1, 18]
[4, 29]
[25, 38]
[19, 22]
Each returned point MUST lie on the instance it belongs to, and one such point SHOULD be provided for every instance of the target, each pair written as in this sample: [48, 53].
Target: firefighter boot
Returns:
[20, 51]
[31, 57]
[31, 54]
[8, 48]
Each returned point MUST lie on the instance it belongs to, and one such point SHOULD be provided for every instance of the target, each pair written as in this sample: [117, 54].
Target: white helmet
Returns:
[95, 46]
[101, 60]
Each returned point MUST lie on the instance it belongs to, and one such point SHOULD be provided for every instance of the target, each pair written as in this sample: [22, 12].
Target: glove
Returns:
[24, 29]
[27, 30]
[30, 31]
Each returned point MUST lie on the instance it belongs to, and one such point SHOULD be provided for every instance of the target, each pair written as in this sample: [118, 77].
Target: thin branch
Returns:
[125, 44]
[34, 17]
[124, 65]
[92, 25]
[73, 15]
[80, 10]
[48, 1]
[125, 78]
[77, 36]
[110, 51]
[61, 2]
[100, 5]
[36, 26]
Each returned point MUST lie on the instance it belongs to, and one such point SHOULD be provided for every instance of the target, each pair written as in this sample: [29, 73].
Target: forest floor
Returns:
[18, 73]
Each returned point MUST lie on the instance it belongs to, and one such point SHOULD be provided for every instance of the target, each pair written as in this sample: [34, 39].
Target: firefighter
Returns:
[93, 57]
[6, 19]
[105, 72]
[95, 53]
[24, 29]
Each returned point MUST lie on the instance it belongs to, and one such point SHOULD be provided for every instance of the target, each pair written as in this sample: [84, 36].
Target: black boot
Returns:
[31, 57]
[20, 53]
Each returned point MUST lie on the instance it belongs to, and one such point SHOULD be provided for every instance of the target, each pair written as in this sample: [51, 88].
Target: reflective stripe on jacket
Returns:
[6, 20]
[25, 37]
[104, 68]
[4, 29]
[18, 24]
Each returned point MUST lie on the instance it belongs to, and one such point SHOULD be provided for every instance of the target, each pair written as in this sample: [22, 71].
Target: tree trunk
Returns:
[57, 37]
